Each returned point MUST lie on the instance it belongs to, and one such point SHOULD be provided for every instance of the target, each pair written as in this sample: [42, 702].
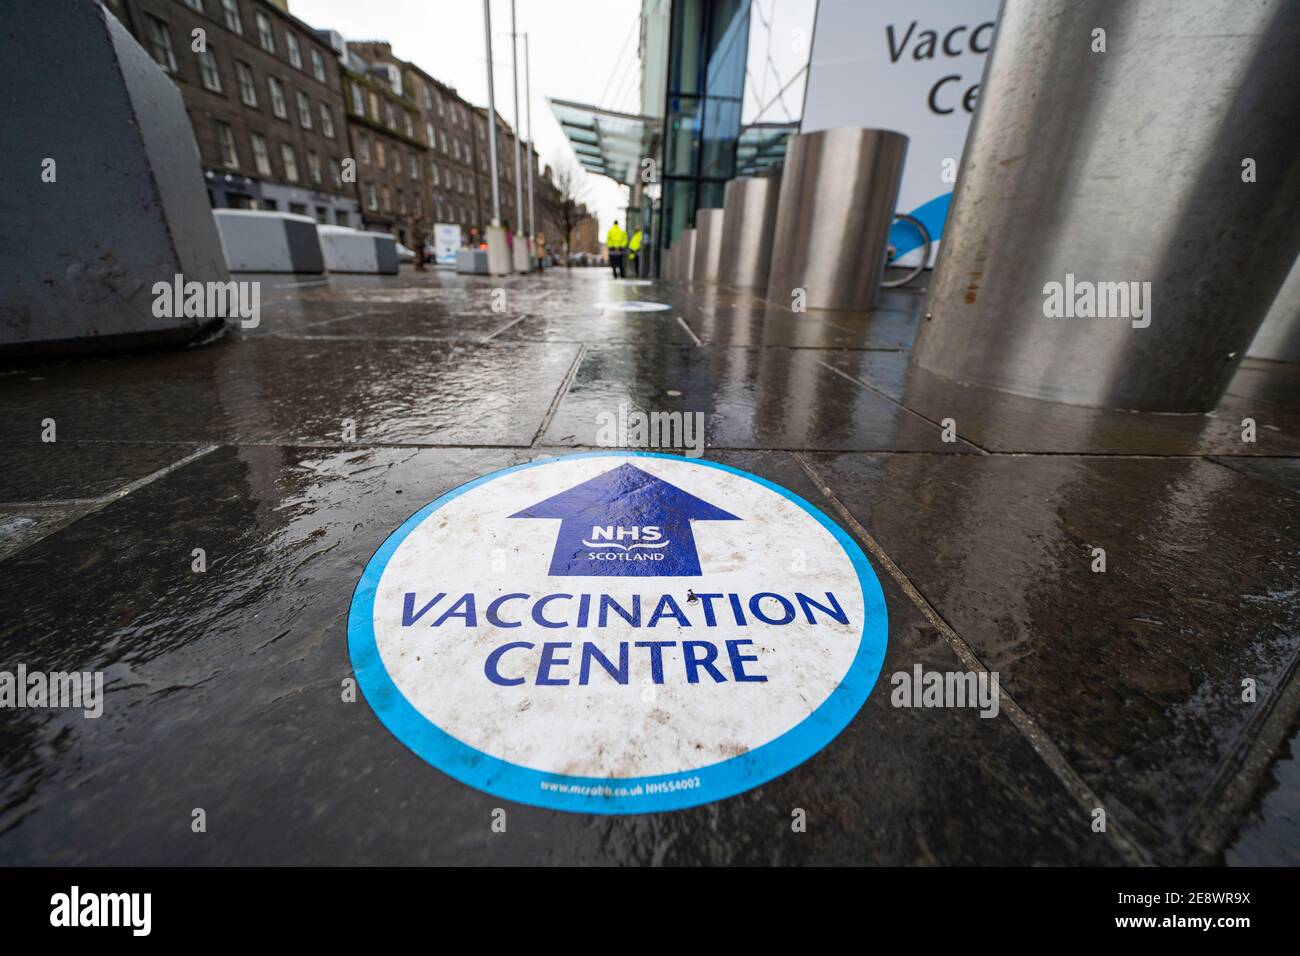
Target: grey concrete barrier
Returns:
[264, 241]
[472, 261]
[104, 193]
[351, 250]
[1278, 338]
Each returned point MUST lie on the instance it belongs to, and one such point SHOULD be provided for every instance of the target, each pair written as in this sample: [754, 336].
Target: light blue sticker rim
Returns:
[624, 795]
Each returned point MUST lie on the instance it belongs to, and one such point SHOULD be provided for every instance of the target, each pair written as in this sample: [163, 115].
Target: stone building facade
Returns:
[265, 99]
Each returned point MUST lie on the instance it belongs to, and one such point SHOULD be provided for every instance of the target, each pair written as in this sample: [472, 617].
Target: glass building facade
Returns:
[708, 49]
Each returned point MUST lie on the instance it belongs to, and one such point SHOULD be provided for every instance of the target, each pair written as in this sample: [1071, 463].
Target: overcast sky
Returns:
[575, 47]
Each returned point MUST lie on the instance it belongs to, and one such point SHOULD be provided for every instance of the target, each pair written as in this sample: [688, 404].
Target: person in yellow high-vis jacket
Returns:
[634, 252]
[616, 243]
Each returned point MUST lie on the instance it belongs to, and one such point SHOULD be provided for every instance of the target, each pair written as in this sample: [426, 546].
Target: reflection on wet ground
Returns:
[288, 452]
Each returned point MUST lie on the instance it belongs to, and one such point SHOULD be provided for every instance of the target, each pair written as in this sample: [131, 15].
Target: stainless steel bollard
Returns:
[837, 201]
[708, 244]
[749, 227]
[1090, 179]
[685, 270]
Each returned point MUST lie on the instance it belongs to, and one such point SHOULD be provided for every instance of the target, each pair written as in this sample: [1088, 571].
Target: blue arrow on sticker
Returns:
[625, 523]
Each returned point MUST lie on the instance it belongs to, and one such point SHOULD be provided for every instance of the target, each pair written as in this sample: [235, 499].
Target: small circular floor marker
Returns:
[631, 305]
[617, 632]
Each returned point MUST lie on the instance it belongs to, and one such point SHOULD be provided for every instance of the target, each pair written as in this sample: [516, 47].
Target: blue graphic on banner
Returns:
[933, 214]
[625, 523]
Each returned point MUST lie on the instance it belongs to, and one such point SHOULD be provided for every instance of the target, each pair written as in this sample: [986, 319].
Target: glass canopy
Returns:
[606, 142]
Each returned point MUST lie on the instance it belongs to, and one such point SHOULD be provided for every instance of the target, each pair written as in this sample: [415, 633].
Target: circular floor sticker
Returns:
[617, 632]
[631, 305]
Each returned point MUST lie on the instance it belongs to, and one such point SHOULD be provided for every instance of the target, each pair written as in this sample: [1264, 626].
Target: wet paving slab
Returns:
[292, 390]
[61, 470]
[1001, 422]
[1122, 689]
[412, 323]
[601, 328]
[764, 398]
[764, 326]
[1135, 672]
[224, 693]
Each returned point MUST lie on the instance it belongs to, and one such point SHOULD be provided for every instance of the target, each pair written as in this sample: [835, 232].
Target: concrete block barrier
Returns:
[350, 250]
[105, 196]
[261, 241]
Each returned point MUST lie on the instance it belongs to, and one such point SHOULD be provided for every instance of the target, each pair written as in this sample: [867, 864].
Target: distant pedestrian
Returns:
[634, 253]
[616, 242]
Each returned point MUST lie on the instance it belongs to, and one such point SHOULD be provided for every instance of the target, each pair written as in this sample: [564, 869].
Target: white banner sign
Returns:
[914, 67]
[446, 243]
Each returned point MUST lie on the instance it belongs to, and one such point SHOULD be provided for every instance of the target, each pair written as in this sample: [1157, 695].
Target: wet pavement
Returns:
[289, 452]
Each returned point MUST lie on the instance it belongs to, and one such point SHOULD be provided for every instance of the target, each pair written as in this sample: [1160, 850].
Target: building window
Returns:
[386, 197]
[335, 175]
[439, 104]
[406, 122]
[231, 10]
[430, 135]
[381, 157]
[401, 203]
[261, 158]
[195, 5]
[226, 139]
[437, 179]
[317, 66]
[326, 121]
[358, 100]
[392, 115]
[372, 200]
[290, 160]
[208, 70]
[443, 134]
[277, 97]
[304, 109]
[341, 217]
[313, 165]
[364, 143]
[264, 35]
[295, 51]
[397, 159]
[415, 166]
[160, 44]
[374, 106]
[247, 87]
[455, 149]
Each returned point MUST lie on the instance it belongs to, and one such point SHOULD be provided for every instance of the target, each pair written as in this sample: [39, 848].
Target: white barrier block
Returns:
[264, 241]
[351, 250]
